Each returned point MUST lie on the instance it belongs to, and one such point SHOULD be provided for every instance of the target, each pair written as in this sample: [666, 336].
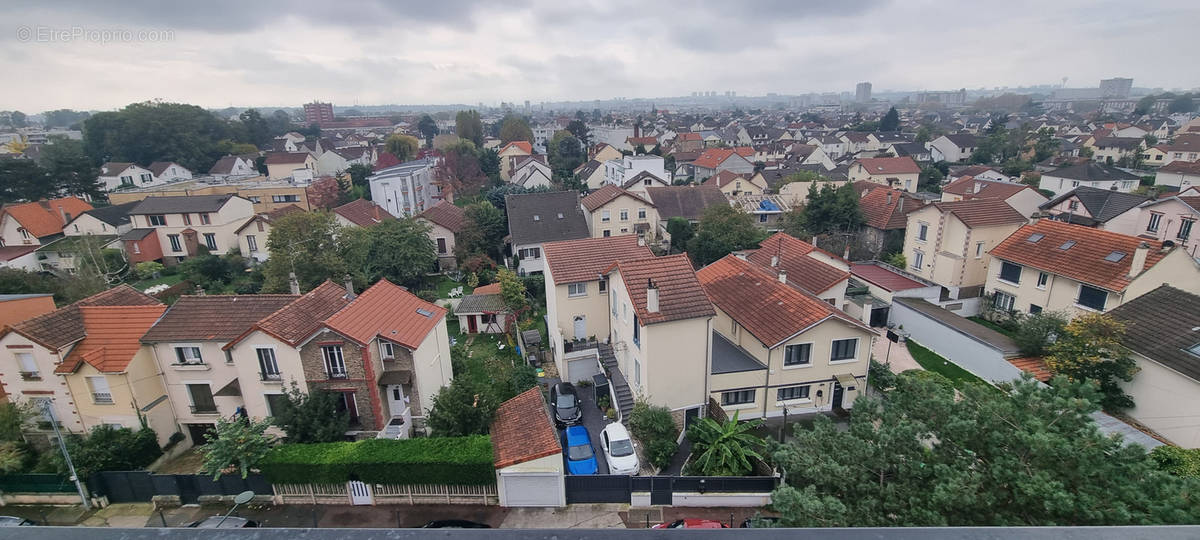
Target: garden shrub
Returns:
[433, 460]
[655, 428]
[1178, 461]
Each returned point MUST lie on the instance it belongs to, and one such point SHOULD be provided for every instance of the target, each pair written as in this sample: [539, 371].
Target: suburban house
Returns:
[1162, 333]
[1072, 269]
[733, 184]
[591, 174]
[406, 189]
[515, 149]
[659, 323]
[334, 161]
[896, 172]
[266, 195]
[531, 172]
[253, 235]
[1023, 198]
[483, 311]
[612, 211]
[1111, 149]
[233, 167]
[445, 221]
[15, 308]
[39, 222]
[948, 242]
[775, 348]
[298, 166]
[360, 213]
[804, 266]
[955, 148]
[621, 172]
[832, 146]
[643, 180]
[979, 172]
[874, 285]
[1088, 175]
[688, 202]
[117, 175]
[36, 347]
[715, 160]
[106, 220]
[577, 305]
[168, 171]
[1184, 148]
[113, 379]
[1171, 219]
[766, 210]
[528, 453]
[918, 151]
[1094, 207]
[175, 227]
[885, 210]
[536, 218]
[1181, 174]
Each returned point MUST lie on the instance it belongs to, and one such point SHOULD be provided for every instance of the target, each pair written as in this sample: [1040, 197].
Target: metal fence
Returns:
[36, 483]
[142, 486]
[388, 494]
[620, 488]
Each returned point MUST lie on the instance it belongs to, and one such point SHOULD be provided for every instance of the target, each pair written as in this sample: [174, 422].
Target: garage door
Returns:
[531, 489]
[583, 369]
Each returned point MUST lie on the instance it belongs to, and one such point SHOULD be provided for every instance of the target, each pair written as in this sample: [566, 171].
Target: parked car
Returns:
[455, 524]
[618, 450]
[13, 521]
[231, 522]
[581, 456]
[692, 524]
[565, 401]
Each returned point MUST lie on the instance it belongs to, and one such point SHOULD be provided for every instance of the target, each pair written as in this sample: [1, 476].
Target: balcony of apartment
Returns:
[190, 366]
[102, 398]
[270, 377]
[31, 375]
[204, 409]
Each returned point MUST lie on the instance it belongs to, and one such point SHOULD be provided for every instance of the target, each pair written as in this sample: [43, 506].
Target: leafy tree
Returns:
[515, 128]
[235, 445]
[489, 163]
[565, 153]
[400, 251]
[13, 417]
[468, 126]
[934, 457]
[258, 131]
[109, 449]
[1089, 349]
[655, 428]
[460, 171]
[17, 119]
[404, 147]
[428, 128]
[1143, 105]
[65, 118]
[358, 174]
[483, 231]
[580, 130]
[464, 408]
[311, 417]
[280, 122]
[890, 121]
[794, 224]
[1045, 145]
[69, 169]
[12, 457]
[1182, 104]
[681, 232]
[147, 269]
[513, 290]
[154, 131]
[1036, 332]
[23, 180]
[832, 210]
[208, 271]
[930, 179]
[306, 243]
[724, 448]
[723, 229]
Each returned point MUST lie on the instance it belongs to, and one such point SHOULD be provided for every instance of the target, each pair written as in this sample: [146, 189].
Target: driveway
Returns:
[593, 420]
[898, 358]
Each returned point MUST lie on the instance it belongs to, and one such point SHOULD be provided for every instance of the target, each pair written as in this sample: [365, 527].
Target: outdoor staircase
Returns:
[617, 379]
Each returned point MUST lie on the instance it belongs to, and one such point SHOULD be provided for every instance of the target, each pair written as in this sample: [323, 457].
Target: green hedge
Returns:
[1178, 461]
[435, 460]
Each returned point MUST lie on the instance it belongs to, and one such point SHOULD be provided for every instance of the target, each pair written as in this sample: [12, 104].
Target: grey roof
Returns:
[182, 204]
[687, 202]
[533, 218]
[7, 297]
[729, 358]
[115, 215]
[480, 303]
[1091, 172]
[910, 149]
[1007, 347]
[136, 234]
[1102, 204]
[1161, 325]
[963, 140]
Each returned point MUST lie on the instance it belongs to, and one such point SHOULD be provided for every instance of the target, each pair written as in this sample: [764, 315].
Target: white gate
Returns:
[360, 493]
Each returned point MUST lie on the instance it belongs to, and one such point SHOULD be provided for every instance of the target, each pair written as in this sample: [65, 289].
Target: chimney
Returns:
[651, 296]
[199, 291]
[641, 240]
[1139, 259]
[783, 276]
[774, 261]
[349, 287]
[846, 252]
[889, 197]
[814, 240]
[63, 214]
[293, 283]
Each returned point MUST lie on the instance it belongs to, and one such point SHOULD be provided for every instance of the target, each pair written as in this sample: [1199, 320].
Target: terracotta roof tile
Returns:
[522, 431]
[714, 157]
[803, 270]
[1084, 260]
[44, 218]
[389, 311]
[884, 278]
[724, 178]
[982, 212]
[585, 259]
[1034, 365]
[494, 288]
[362, 212]
[886, 208]
[214, 317]
[523, 146]
[970, 187]
[301, 318]
[64, 326]
[113, 336]
[605, 195]
[680, 295]
[890, 165]
[445, 214]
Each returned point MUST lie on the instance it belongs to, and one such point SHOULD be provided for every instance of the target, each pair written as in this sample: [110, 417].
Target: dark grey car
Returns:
[565, 401]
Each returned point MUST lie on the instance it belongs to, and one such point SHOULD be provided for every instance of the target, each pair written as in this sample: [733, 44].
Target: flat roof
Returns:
[729, 358]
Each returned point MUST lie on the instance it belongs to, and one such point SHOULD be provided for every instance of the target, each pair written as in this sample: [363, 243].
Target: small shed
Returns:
[528, 456]
[482, 314]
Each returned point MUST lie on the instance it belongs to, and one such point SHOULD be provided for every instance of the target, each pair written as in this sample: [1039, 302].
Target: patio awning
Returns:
[399, 376]
[846, 380]
[233, 389]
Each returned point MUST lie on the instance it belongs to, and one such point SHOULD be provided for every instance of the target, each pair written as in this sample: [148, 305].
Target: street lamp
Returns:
[784, 426]
[48, 410]
[238, 500]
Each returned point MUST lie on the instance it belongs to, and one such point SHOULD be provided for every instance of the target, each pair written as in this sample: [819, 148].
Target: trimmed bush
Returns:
[434, 460]
[1178, 461]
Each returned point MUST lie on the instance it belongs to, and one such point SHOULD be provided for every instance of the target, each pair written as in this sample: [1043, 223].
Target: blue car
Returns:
[581, 457]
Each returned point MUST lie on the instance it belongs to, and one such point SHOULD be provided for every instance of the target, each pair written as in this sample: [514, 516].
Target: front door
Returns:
[197, 431]
[360, 493]
[396, 402]
[580, 327]
[837, 395]
[471, 324]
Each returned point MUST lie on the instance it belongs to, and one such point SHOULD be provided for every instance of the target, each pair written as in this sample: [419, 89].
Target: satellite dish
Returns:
[243, 497]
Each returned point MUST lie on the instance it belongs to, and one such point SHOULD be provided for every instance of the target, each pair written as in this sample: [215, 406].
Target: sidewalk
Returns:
[898, 359]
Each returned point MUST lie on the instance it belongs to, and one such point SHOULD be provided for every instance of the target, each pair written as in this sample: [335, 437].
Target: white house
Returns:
[953, 148]
[117, 175]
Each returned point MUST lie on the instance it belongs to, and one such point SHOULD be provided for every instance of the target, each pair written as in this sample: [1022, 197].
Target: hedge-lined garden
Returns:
[445, 460]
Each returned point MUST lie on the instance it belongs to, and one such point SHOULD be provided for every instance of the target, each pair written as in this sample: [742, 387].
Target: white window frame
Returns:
[251, 243]
[1000, 273]
[978, 250]
[332, 360]
[181, 359]
[210, 241]
[857, 351]
[806, 398]
[176, 243]
[918, 262]
[264, 360]
[624, 214]
[387, 349]
[1155, 222]
[1043, 279]
[605, 216]
[26, 360]
[1012, 304]
[577, 289]
[100, 390]
[162, 218]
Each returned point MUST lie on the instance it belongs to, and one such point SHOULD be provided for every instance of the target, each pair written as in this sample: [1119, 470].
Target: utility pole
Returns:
[62, 445]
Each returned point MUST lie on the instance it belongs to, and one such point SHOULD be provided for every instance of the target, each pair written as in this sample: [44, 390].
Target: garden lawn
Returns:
[488, 363]
[932, 362]
[164, 280]
[992, 325]
[444, 285]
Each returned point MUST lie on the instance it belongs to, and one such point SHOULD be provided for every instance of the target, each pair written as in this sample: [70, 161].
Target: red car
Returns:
[692, 524]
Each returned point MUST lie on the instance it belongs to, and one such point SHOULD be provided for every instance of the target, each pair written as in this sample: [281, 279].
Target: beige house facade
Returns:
[948, 242]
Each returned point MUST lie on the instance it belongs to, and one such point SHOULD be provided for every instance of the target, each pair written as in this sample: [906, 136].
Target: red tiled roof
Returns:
[487, 289]
[605, 195]
[300, 318]
[389, 311]
[1083, 261]
[524, 146]
[214, 317]
[1034, 365]
[64, 325]
[688, 136]
[969, 187]
[522, 430]
[44, 218]
[278, 158]
[680, 295]
[982, 212]
[585, 259]
[647, 142]
[386, 159]
[811, 274]
[113, 335]
[1180, 166]
[768, 309]
[884, 208]
[714, 157]
[445, 214]
[362, 212]
[8, 253]
[744, 151]
[723, 178]
[884, 278]
[890, 165]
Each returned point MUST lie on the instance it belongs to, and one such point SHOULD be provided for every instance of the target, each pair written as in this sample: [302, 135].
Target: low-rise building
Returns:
[39, 222]
[253, 235]
[1094, 207]
[299, 166]
[445, 221]
[531, 172]
[715, 160]
[360, 213]
[619, 172]
[233, 167]
[169, 171]
[537, 218]
[181, 225]
[407, 189]
[1181, 174]
[15, 308]
[483, 311]
[612, 211]
[511, 150]
[1171, 219]
[948, 242]
[733, 184]
[117, 175]
[1088, 175]
[1023, 198]
[804, 266]
[953, 148]
[896, 172]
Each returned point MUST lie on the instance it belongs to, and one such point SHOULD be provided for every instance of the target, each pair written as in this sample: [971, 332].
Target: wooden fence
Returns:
[387, 494]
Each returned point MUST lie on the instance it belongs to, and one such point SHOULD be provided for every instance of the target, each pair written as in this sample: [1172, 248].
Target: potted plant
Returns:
[611, 413]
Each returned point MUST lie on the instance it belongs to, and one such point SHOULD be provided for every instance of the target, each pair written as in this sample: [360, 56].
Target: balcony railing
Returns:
[270, 377]
[190, 366]
[102, 398]
[203, 409]
[337, 375]
[31, 375]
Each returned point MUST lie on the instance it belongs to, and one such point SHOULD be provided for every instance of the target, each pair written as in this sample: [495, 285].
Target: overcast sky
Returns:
[218, 53]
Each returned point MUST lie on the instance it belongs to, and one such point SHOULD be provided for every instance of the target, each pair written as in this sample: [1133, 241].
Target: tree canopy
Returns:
[515, 128]
[153, 131]
[428, 128]
[832, 210]
[483, 230]
[1089, 349]
[566, 152]
[723, 229]
[890, 121]
[468, 126]
[404, 147]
